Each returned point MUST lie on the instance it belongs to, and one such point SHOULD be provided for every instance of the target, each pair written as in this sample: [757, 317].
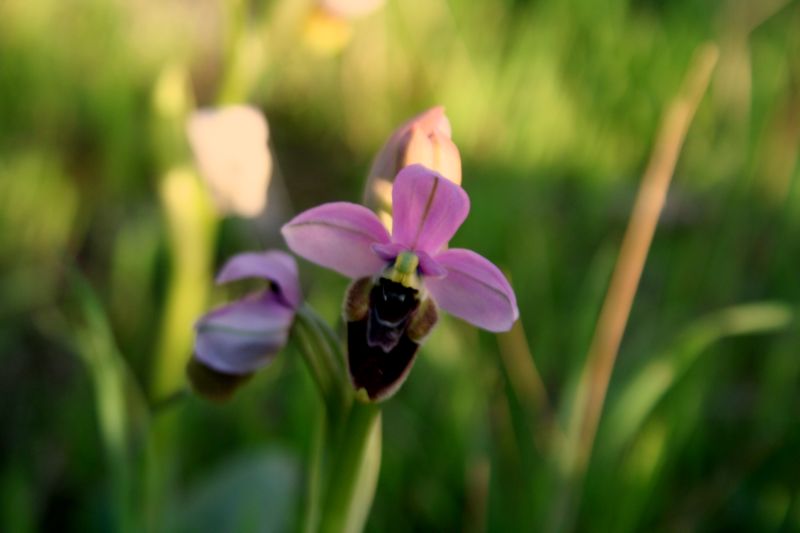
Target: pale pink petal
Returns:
[274, 265]
[391, 156]
[230, 146]
[427, 208]
[243, 336]
[475, 290]
[338, 236]
[433, 119]
[434, 150]
[447, 159]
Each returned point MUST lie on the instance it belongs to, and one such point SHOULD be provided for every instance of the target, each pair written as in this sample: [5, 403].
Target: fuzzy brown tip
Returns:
[423, 321]
[356, 302]
[213, 385]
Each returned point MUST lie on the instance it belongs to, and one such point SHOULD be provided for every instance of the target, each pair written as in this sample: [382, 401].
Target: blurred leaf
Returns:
[38, 206]
[118, 401]
[257, 492]
[16, 505]
[633, 405]
[213, 385]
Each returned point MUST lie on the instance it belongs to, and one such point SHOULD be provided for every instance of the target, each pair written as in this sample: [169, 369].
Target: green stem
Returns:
[328, 343]
[315, 480]
[346, 453]
[323, 357]
[308, 348]
[354, 473]
[334, 342]
[231, 90]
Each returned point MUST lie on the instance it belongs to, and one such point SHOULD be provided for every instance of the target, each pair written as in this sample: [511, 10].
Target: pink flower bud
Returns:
[424, 140]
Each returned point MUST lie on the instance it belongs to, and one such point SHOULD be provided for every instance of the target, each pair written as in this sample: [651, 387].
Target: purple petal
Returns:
[429, 267]
[244, 335]
[475, 290]
[275, 266]
[427, 209]
[338, 236]
[388, 252]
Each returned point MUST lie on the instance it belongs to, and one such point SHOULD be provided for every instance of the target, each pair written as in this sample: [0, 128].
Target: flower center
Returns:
[404, 270]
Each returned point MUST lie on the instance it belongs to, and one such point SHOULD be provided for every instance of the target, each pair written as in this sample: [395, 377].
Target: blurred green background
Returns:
[108, 246]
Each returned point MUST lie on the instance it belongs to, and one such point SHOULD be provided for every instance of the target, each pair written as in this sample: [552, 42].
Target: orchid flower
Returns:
[401, 277]
[235, 340]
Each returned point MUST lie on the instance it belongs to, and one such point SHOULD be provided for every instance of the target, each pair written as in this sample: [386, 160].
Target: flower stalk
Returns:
[401, 277]
[592, 388]
[354, 471]
[324, 358]
[346, 452]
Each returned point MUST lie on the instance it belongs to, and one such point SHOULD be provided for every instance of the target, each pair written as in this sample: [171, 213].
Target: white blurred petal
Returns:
[230, 145]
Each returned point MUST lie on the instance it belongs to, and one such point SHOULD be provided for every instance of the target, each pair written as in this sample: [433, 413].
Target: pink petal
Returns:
[388, 252]
[243, 336]
[338, 236]
[429, 267]
[275, 266]
[475, 290]
[427, 209]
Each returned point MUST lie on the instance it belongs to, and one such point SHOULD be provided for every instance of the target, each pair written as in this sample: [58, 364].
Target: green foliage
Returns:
[554, 106]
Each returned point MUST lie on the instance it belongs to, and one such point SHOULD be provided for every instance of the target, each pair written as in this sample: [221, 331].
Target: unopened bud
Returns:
[424, 140]
[212, 384]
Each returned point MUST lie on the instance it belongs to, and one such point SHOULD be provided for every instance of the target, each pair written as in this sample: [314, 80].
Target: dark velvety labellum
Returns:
[373, 369]
[216, 386]
[391, 305]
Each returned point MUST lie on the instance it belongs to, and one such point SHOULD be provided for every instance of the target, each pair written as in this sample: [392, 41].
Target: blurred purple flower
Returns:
[237, 339]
